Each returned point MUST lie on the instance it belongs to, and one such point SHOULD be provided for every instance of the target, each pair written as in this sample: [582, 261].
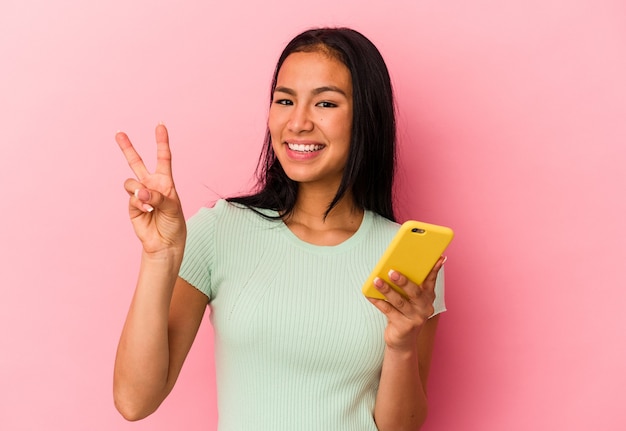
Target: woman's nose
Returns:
[300, 120]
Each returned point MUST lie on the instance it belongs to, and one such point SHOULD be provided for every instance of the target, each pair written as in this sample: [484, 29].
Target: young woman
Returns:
[297, 345]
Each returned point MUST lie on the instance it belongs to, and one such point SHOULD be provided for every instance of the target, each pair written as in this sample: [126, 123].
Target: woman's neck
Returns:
[309, 221]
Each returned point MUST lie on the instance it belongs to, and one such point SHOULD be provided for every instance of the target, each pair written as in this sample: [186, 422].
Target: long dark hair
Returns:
[370, 167]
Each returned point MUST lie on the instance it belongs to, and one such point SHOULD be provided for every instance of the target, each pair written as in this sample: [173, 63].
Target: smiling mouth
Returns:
[304, 148]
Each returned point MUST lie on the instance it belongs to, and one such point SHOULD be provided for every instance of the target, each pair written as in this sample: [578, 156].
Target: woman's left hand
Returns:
[406, 315]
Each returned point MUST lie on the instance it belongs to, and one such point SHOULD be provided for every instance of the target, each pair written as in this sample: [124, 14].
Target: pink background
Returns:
[513, 132]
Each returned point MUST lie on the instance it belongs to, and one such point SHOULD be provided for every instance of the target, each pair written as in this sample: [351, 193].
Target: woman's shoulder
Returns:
[383, 224]
[381, 230]
[223, 211]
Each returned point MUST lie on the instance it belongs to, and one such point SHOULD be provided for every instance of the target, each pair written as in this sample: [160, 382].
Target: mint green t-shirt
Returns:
[297, 345]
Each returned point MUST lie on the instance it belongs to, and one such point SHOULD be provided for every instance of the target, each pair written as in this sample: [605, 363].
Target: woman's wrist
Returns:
[165, 262]
[402, 354]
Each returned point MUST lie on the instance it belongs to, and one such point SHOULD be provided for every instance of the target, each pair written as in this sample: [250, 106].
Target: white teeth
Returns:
[304, 148]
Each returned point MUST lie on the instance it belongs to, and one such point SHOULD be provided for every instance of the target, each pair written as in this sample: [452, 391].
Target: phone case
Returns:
[414, 251]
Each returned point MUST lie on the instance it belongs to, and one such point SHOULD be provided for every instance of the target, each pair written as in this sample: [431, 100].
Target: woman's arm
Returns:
[166, 311]
[401, 402]
[156, 338]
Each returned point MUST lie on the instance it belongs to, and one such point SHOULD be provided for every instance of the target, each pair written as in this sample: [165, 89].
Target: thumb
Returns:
[148, 200]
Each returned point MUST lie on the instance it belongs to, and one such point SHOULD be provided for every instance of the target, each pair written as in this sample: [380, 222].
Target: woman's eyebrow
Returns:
[285, 90]
[316, 91]
[329, 88]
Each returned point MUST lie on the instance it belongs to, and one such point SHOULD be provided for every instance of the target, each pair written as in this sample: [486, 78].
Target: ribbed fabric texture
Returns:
[297, 345]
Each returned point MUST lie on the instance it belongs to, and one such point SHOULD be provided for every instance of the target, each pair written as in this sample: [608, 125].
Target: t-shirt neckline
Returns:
[347, 244]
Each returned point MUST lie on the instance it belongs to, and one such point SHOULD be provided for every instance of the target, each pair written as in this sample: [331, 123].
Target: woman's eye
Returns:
[326, 105]
[285, 102]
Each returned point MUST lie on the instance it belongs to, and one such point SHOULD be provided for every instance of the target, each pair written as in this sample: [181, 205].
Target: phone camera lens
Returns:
[418, 230]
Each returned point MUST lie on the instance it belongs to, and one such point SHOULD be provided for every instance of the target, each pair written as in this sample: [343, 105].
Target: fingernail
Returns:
[394, 275]
[147, 208]
[444, 259]
[378, 282]
[143, 195]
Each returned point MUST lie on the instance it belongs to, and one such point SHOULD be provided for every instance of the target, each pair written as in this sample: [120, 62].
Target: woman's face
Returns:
[310, 118]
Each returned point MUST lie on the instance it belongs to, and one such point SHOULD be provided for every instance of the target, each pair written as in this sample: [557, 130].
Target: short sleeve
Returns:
[200, 250]
[440, 302]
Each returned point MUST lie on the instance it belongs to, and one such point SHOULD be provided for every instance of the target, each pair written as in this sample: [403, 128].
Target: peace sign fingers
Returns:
[154, 207]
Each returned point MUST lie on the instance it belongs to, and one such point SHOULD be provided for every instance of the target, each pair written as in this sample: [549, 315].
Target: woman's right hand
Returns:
[154, 207]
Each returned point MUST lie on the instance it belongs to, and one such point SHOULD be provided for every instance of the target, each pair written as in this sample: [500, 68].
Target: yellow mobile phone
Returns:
[414, 251]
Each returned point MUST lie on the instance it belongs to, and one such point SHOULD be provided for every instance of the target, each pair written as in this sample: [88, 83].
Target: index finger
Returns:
[132, 157]
[432, 276]
[164, 155]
